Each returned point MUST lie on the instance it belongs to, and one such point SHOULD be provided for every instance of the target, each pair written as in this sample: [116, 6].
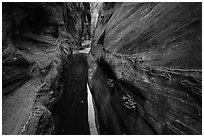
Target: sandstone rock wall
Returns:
[37, 41]
[146, 68]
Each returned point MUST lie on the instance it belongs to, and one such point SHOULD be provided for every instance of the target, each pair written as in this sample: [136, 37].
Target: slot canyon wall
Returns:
[145, 68]
[37, 41]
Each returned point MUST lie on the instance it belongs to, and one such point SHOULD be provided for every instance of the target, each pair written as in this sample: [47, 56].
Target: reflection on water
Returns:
[91, 115]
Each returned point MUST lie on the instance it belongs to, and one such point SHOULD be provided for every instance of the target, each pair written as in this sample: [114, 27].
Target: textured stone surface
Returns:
[37, 39]
[144, 71]
[145, 68]
[40, 122]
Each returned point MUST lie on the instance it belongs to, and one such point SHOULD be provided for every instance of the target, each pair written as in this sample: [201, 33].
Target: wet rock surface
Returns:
[145, 68]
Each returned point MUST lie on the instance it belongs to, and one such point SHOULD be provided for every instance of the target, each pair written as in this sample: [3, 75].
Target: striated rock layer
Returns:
[37, 39]
[145, 68]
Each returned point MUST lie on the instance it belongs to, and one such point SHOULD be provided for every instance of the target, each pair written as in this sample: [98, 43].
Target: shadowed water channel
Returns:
[74, 112]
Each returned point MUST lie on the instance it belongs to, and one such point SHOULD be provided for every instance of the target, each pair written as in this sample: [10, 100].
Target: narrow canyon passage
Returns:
[101, 68]
[72, 109]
